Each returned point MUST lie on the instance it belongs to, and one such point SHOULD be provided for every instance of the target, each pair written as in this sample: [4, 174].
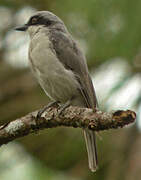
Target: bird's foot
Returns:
[41, 111]
[63, 107]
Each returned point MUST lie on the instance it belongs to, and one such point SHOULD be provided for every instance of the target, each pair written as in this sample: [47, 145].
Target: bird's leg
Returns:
[64, 106]
[41, 111]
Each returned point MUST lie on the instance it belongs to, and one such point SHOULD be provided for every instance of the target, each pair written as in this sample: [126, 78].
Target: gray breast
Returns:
[58, 82]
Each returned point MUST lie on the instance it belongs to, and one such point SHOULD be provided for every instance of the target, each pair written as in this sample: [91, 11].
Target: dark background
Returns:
[109, 33]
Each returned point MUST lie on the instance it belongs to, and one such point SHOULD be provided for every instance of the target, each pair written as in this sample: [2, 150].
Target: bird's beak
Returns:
[22, 28]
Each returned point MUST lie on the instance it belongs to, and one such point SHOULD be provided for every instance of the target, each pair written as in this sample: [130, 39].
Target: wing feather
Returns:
[73, 59]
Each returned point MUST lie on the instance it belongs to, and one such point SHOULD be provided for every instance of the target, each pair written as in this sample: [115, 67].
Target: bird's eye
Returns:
[48, 23]
[34, 20]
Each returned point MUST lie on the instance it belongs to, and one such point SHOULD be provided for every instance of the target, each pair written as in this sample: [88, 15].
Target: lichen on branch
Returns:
[71, 117]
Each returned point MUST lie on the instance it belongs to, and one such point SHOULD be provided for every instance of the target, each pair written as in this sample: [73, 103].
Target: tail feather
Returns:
[91, 149]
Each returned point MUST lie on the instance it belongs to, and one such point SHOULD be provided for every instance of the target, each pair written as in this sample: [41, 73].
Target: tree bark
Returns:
[70, 117]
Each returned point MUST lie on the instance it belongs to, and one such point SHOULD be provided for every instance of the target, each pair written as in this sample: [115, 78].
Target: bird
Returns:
[60, 68]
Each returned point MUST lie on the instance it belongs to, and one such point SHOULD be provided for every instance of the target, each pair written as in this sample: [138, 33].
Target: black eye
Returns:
[48, 22]
[34, 20]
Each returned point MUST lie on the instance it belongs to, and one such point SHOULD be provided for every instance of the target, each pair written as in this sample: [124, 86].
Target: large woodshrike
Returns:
[60, 68]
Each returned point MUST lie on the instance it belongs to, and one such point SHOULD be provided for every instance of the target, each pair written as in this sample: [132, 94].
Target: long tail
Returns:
[91, 149]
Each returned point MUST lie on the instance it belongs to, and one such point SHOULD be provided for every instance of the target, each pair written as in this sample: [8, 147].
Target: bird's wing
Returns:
[73, 59]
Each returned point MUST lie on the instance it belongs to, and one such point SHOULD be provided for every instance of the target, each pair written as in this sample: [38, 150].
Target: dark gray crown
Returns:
[44, 18]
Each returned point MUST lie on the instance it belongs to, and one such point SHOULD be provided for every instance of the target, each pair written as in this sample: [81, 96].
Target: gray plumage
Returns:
[61, 69]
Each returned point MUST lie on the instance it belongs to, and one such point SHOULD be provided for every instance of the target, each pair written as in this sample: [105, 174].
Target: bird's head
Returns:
[42, 19]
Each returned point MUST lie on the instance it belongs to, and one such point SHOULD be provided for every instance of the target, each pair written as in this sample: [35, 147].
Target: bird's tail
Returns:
[91, 149]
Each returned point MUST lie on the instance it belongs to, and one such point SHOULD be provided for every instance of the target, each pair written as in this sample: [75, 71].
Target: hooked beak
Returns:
[22, 28]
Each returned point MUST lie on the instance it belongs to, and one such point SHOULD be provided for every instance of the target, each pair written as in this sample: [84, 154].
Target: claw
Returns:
[63, 107]
[41, 111]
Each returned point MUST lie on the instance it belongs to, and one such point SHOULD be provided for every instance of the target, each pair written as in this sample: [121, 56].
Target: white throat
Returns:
[32, 30]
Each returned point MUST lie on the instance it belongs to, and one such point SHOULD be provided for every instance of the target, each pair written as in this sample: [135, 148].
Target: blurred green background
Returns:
[109, 33]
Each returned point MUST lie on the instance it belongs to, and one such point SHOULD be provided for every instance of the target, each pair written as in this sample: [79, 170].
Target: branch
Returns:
[70, 117]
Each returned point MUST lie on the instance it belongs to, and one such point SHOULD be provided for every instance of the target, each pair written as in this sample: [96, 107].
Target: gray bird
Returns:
[60, 68]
